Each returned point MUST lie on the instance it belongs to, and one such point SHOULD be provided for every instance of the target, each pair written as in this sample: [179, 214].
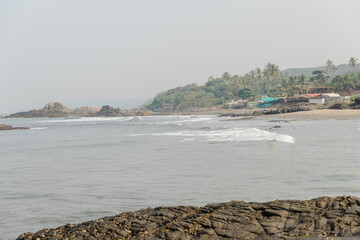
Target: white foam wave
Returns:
[226, 135]
[180, 122]
[38, 128]
[171, 116]
[88, 119]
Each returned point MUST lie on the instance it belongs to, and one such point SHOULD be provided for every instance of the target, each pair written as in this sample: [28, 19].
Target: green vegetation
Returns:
[269, 81]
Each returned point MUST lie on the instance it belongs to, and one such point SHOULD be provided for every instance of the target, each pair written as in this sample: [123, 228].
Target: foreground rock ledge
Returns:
[280, 219]
[4, 127]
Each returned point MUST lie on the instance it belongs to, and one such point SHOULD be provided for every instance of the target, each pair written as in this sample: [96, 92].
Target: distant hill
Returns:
[341, 70]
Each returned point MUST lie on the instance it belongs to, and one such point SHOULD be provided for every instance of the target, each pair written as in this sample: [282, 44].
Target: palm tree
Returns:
[259, 80]
[353, 62]
[252, 77]
[271, 72]
[330, 66]
[226, 76]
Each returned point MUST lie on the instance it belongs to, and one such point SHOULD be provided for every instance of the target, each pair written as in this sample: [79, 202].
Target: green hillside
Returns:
[267, 81]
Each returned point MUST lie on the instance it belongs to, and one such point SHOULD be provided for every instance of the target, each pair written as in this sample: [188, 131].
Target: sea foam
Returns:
[88, 119]
[180, 122]
[226, 135]
[38, 128]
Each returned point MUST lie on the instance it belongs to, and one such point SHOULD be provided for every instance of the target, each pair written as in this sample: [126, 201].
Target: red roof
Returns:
[318, 97]
[313, 94]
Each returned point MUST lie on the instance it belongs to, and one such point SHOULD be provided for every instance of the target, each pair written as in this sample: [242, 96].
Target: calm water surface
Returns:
[72, 170]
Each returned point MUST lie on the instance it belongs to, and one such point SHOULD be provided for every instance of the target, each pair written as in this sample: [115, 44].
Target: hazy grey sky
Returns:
[87, 50]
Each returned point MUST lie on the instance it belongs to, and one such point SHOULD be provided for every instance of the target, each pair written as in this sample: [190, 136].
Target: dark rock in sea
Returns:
[107, 111]
[4, 127]
[320, 218]
[51, 109]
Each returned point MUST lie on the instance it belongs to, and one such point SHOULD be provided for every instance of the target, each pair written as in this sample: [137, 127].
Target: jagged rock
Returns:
[4, 127]
[107, 111]
[86, 109]
[56, 107]
[320, 218]
[51, 109]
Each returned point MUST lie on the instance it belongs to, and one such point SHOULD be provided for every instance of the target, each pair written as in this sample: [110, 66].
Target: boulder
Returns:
[51, 109]
[108, 111]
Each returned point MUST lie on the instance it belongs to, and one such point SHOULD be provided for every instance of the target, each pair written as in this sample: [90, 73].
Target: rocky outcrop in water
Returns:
[107, 111]
[4, 127]
[281, 219]
[51, 109]
[56, 109]
[86, 110]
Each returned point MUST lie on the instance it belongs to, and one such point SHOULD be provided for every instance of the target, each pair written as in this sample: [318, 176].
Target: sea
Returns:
[70, 170]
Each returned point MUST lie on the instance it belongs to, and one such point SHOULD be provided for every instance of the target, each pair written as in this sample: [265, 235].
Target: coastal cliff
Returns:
[281, 219]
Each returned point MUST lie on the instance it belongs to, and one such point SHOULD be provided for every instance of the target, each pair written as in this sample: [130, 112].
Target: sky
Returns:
[88, 51]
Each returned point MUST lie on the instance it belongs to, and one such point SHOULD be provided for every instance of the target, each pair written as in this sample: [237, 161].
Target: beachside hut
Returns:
[331, 97]
[326, 98]
[266, 102]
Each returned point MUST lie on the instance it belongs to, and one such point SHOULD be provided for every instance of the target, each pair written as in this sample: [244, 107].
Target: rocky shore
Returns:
[272, 111]
[4, 127]
[320, 218]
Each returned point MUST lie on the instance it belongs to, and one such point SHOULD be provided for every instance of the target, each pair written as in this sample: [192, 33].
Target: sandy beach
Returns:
[319, 114]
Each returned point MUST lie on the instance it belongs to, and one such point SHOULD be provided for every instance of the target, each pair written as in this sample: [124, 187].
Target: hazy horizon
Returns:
[91, 51]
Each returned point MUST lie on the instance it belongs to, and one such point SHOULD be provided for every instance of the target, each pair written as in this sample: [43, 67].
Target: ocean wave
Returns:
[88, 119]
[180, 122]
[227, 135]
[38, 128]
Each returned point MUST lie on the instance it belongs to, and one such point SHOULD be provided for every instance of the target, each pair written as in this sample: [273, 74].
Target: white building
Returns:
[326, 98]
[317, 100]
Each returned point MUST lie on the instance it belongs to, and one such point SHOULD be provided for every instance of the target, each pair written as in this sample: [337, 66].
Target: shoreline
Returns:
[270, 113]
[318, 114]
[319, 218]
[311, 114]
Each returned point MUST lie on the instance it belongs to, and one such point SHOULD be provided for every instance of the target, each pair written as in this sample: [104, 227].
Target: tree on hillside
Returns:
[271, 72]
[226, 76]
[330, 67]
[318, 78]
[353, 62]
[302, 80]
[259, 81]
